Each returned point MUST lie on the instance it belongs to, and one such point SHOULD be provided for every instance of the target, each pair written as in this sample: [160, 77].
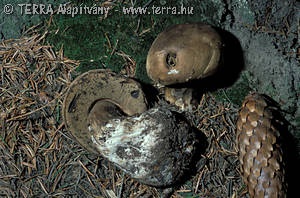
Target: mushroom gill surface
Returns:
[260, 151]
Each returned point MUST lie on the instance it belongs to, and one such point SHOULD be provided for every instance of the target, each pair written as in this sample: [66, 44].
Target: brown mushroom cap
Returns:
[184, 52]
[86, 90]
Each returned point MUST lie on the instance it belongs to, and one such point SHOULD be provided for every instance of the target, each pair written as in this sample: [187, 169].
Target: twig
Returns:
[121, 186]
[87, 170]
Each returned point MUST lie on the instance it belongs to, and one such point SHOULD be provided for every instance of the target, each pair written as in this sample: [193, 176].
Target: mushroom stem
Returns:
[184, 98]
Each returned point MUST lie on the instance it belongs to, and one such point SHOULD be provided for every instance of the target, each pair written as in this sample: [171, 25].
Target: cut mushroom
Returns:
[96, 85]
[107, 114]
[184, 52]
[155, 147]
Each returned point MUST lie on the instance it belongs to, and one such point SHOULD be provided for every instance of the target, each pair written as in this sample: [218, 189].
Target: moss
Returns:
[91, 38]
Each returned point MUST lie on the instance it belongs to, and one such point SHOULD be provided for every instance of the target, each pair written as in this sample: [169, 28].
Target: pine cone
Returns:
[260, 152]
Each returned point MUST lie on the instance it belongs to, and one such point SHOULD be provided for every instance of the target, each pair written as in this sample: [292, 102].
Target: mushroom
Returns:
[260, 151]
[107, 114]
[95, 85]
[184, 52]
[184, 98]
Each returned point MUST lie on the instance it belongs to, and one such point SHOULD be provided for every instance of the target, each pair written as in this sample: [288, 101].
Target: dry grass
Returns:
[39, 158]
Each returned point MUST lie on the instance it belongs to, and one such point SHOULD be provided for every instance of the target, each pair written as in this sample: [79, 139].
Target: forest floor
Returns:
[39, 157]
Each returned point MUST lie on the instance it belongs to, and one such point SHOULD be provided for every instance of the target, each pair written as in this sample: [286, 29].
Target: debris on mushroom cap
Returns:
[260, 152]
[155, 147]
[184, 52]
[96, 85]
